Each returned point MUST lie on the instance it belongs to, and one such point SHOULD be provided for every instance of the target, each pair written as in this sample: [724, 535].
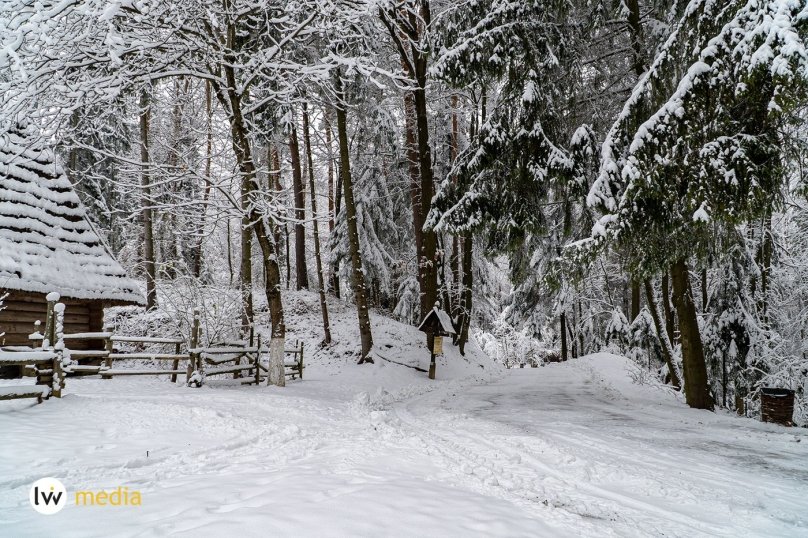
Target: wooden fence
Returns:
[242, 359]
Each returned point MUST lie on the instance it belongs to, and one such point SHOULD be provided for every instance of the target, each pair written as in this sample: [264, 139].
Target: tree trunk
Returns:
[635, 299]
[697, 389]
[635, 34]
[429, 240]
[197, 269]
[563, 337]
[415, 178]
[274, 163]
[454, 259]
[329, 149]
[276, 374]
[148, 216]
[670, 317]
[301, 274]
[229, 247]
[360, 291]
[337, 208]
[662, 336]
[581, 333]
[245, 273]
[571, 335]
[231, 102]
[704, 297]
[765, 264]
[318, 259]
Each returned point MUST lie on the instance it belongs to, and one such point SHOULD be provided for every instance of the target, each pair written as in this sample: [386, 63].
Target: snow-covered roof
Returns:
[443, 318]
[46, 242]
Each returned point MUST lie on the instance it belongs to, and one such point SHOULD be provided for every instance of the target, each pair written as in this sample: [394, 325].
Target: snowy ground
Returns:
[573, 449]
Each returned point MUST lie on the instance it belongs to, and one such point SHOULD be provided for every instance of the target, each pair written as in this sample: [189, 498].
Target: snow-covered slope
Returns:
[571, 449]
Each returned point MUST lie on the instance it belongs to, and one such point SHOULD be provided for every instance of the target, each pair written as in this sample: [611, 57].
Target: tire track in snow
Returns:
[473, 458]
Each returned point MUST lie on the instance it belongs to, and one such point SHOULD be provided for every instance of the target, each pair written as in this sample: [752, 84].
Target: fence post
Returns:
[50, 321]
[194, 355]
[300, 364]
[57, 381]
[108, 348]
[176, 364]
[258, 363]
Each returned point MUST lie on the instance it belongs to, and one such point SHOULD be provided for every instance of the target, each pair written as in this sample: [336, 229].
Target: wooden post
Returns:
[193, 355]
[50, 324]
[257, 363]
[176, 364]
[432, 364]
[300, 363]
[37, 326]
[108, 348]
[45, 374]
[57, 383]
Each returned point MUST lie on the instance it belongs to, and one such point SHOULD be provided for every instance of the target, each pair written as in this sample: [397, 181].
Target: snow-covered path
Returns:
[582, 438]
[573, 449]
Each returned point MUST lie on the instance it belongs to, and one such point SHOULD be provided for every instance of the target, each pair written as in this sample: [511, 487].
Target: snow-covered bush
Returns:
[644, 346]
[618, 332]
[511, 347]
[220, 309]
[408, 308]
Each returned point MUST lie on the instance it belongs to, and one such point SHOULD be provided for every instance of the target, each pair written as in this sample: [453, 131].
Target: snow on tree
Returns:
[698, 143]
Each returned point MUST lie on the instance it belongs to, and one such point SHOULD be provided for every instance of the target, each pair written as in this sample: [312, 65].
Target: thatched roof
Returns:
[46, 241]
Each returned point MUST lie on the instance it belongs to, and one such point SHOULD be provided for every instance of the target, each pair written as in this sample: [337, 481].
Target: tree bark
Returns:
[670, 317]
[231, 102]
[662, 336]
[635, 34]
[317, 257]
[697, 389]
[415, 178]
[360, 292]
[704, 297]
[429, 240]
[197, 268]
[466, 303]
[245, 273]
[407, 28]
[337, 208]
[563, 337]
[635, 299]
[329, 149]
[765, 264]
[274, 173]
[288, 257]
[455, 258]
[148, 216]
[301, 274]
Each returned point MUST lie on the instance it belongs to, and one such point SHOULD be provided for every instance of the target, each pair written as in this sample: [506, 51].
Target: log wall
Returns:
[22, 309]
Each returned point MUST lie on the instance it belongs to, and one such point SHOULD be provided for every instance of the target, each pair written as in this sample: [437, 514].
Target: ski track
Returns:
[562, 466]
[561, 445]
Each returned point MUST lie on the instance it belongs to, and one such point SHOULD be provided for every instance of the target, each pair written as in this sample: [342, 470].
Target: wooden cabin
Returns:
[47, 244]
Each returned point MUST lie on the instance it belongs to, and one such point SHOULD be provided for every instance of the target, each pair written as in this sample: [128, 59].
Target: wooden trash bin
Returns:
[777, 406]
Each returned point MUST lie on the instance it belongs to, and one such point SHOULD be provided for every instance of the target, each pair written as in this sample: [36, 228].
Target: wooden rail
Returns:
[47, 363]
[218, 359]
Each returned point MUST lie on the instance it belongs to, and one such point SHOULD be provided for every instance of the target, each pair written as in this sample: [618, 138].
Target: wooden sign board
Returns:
[437, 346]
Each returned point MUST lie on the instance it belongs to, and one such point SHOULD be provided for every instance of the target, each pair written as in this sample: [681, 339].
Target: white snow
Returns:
[570, 449]
[702, 214]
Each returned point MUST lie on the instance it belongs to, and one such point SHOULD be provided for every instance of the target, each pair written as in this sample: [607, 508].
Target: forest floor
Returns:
[571, 449]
